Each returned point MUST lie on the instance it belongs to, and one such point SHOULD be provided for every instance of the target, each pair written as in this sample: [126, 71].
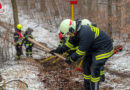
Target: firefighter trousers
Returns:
[18, 51]
[29, 51]
[92, 70]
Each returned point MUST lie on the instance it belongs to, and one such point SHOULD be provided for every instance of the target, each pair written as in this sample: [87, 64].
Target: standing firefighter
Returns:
[94, 44]
[28, 45]
[18, 41]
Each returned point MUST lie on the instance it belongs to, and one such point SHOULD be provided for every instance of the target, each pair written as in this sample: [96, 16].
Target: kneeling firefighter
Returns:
[94, 44]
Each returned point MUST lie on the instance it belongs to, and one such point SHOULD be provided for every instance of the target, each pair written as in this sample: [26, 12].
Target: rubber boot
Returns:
[94, 85]
[102, 78]
[86, 85]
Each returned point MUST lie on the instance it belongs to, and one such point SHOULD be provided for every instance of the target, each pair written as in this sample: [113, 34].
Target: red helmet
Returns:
[60, 35]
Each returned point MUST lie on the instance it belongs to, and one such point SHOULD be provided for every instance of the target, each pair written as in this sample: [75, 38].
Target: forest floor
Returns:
[58, 76]
[61, 77]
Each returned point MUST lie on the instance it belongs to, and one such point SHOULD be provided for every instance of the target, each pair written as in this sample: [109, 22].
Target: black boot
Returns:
[94, 85]
[86, 85]
[102, 78]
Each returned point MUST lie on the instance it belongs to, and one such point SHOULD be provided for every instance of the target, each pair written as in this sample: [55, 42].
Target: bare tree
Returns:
[109, 30]
[89, 9]
[128, 11]
[15, 12]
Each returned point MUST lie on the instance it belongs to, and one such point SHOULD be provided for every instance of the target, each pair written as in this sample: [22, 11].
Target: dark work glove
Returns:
[58, 50]
[53, 51]
[69, 61]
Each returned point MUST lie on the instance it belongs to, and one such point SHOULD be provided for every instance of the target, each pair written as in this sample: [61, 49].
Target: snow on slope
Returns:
[26, 73]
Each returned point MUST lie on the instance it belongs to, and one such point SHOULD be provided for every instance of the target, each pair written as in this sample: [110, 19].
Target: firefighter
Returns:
[18, 41]
[94, 44]
[28, 45]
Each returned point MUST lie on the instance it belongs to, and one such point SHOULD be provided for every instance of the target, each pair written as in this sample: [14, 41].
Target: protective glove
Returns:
[57, 50]
[53, 51]
[69, 61]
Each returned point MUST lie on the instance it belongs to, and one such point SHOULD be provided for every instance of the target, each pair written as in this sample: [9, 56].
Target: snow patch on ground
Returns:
[25, 73]
[120, 62]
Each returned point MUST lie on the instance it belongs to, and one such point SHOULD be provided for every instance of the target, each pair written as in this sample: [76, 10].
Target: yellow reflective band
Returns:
[95, 33]
[80, 52]
[87, 76]
[61, 40]
[27, 52]
[27, 44]
[75, 48]
[101, 72]
[68, 44]
[30, 52]
[20, 43]
[23, 37]
[96, 30]
[95, 79]
[60, 44]
[105, 55]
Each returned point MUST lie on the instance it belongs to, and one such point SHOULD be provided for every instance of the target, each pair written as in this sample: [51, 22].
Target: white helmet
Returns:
[86, 22]
[67, 26]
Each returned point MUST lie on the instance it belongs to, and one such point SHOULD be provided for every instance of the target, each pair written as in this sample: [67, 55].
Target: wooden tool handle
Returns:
[46, 49]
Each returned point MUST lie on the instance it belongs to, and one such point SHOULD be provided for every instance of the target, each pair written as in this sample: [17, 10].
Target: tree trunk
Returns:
[109, 30]
[89, 10]
[128, 19]
[15, 13]
[118, 13]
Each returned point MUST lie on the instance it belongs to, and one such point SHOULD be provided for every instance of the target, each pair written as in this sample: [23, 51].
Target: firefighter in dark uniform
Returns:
[18, 41]
[94, 44]
[28, 45]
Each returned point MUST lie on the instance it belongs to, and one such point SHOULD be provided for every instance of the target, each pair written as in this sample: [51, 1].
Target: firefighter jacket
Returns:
[89, 39]
[17, 37]
[26, 42]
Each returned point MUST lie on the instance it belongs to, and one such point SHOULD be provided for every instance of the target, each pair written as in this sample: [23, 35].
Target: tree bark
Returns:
[15, 13]
[118, 15]
[109, 30]
[89, 10]
[128, 19]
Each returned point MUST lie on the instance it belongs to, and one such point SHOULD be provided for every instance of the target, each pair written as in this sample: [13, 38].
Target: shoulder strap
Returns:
[20, 35]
